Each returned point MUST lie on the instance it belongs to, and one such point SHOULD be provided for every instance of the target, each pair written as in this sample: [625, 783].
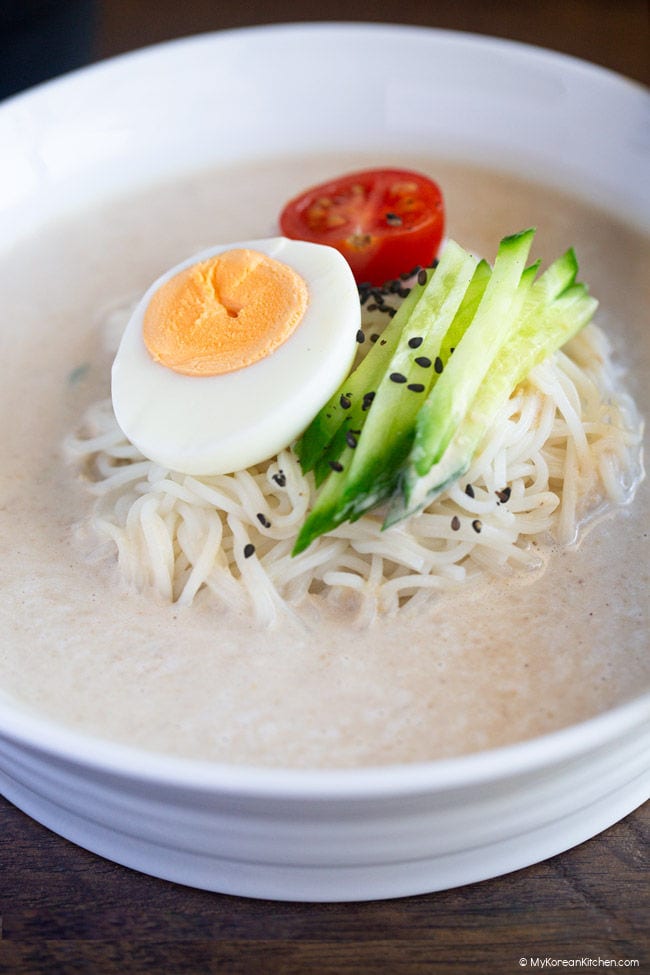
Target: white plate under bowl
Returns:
[350, 834]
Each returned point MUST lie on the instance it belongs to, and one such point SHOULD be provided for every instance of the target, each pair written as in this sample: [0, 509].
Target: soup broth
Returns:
[487, 665]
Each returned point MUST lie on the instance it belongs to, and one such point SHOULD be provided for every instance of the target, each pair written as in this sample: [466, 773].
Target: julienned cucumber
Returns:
[353, 400]
[449, 401]
[542, 329]
[372, 442]
[389, 428]
[484, 330]
[347, 409]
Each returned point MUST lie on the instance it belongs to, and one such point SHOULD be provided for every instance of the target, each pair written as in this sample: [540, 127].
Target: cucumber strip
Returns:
[388, 430]
[558, 276]
[362, 381]
[467, 310]
[362, 498]
[367, 473]
[461, 322]
[329, 509]
[542, 330]
[450, 398]
[485, 329]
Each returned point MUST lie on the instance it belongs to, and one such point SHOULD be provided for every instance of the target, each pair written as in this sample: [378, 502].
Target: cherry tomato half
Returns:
[384, 221]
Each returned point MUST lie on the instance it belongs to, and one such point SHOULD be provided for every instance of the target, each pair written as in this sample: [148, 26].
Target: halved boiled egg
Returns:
[230, 354]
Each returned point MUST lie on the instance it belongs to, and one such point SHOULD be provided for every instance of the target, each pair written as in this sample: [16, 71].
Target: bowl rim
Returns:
[45, 736]
[452, 35]
[19, 726]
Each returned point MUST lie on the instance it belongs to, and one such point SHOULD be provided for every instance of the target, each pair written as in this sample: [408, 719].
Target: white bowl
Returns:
[349, 834]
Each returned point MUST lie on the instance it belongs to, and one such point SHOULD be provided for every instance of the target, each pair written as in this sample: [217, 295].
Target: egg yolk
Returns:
[224, 313]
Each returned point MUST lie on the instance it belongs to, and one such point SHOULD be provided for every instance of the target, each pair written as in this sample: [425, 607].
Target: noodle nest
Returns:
[565, 447]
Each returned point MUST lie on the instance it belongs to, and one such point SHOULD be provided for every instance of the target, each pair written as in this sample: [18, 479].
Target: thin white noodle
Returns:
[567, 520]
[199, 571]
[159, 546]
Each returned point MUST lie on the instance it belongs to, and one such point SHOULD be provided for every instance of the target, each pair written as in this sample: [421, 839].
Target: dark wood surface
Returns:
[612, 33]
[63, 910]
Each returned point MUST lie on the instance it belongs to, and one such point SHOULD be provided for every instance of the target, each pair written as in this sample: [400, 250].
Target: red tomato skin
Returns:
[385, 222]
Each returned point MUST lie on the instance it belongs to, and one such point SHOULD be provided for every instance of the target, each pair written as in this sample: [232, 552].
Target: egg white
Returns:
[221, 424]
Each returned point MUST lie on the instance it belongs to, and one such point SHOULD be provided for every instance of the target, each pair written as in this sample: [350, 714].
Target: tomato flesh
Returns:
[385, 222]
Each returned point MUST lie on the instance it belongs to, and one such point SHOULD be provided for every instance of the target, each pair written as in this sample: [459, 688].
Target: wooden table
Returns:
[64, 910]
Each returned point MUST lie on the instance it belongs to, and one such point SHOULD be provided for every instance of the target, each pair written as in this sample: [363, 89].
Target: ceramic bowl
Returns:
[324, 834]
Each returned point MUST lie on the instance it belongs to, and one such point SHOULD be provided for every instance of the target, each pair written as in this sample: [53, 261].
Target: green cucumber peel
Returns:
[329, 426]
[390, 423]
[328, 510]
[370, 470]
[326, 435]
[559, 275]
[369, 493]
[449, 400]
[467, 310]
[521, 321]
[541, 331]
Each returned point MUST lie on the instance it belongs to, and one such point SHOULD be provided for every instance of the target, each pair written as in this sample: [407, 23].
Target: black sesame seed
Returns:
[416, 387]
[455, 523]
[397, 377]
[360, 337]
[367, 400]
[438, 365]
[394, 286]
[393, 220]
[415, 342]
[404, 292]
[336, 465]
[391, 312]
[249, 550]
[476, 525]
[345, 401]
[422, 277]
[424, 361]
[350, 439]
[280, 478]
[469, 491]
[382, 341]
[373, 306]
[504, 495]
[374, 337]
[263, 520]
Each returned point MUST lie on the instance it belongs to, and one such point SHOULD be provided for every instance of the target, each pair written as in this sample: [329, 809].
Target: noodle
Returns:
[566, 445]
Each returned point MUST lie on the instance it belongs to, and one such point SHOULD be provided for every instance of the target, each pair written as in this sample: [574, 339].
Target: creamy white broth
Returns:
[482, 667]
